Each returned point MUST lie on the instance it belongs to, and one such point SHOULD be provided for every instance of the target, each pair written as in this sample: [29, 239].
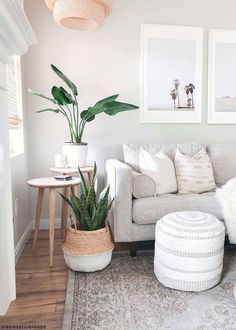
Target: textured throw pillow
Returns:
[194, 174]
[142, 185]
[161, 169]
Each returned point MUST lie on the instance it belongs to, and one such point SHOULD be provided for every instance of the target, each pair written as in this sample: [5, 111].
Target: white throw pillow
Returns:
[194, 174]
[161, 169]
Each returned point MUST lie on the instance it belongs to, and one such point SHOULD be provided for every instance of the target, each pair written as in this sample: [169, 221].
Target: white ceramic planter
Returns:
[89, 263]
[76, 153]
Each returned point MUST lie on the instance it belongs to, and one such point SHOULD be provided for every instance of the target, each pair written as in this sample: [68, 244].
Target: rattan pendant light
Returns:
[80, 14]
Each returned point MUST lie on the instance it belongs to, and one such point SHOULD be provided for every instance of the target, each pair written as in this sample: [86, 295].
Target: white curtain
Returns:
[16, 35]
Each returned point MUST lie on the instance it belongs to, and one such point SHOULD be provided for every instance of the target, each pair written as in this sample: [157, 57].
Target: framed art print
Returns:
[221, 77]
[171, 74]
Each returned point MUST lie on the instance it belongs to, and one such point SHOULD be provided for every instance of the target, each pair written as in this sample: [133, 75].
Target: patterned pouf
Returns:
[189, 250]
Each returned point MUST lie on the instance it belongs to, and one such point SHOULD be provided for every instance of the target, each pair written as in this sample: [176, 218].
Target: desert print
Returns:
[225, 72]
[171, 75]
[225, 104]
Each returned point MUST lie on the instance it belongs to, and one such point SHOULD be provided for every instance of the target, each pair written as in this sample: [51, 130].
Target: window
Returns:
[14, 99]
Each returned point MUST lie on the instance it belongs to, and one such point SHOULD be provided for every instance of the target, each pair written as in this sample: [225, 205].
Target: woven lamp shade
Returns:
[80, 14]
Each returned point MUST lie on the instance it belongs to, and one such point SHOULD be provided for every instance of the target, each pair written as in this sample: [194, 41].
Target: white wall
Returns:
[105, 62]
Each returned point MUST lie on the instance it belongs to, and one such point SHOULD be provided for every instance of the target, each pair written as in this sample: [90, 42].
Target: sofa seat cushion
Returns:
[150, 209]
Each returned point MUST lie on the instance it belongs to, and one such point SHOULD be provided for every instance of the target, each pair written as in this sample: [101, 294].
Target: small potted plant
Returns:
[88, 246]
[66, 104]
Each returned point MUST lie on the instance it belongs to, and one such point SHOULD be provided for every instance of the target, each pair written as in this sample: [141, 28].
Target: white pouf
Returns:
[189, 250]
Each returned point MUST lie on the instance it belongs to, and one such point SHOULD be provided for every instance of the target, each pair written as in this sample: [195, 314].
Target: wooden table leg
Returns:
[64, 213]
[73, 190]
[37, 216]
[90, 175]
[52, 202]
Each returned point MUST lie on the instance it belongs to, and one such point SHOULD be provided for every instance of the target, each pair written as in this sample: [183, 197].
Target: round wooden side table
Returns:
[74, 170]
[52, 184]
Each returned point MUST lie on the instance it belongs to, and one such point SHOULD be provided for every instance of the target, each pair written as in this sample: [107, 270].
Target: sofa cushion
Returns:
[161, 169]
[194, 174]
[223, 158]
[131, 150]
[149, 210]
[142, 185]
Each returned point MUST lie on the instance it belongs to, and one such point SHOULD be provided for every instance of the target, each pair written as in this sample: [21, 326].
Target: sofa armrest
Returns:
[119, 177]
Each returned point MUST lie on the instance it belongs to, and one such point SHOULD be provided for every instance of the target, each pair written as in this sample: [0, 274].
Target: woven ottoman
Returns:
[189, 250]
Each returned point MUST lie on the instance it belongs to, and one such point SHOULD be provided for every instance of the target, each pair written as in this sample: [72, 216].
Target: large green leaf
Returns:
[107, 99]
[83, 114]
[93, 111]
[69, 83]
[112, 108]
[60, 96]
[68, 96]
[49, 110]
[87, 116]
[43, 96]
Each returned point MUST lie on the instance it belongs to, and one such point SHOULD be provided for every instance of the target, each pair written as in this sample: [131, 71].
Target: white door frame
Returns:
[16, 35]
[7, 256]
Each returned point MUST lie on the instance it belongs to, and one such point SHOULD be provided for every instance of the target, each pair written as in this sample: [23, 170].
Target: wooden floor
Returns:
[41, 291]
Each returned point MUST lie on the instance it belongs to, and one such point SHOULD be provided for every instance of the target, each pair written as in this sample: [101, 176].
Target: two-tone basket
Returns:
[88, 251]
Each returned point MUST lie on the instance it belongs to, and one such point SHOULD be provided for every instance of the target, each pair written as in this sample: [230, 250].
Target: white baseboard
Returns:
[44, 223]
[24, 238]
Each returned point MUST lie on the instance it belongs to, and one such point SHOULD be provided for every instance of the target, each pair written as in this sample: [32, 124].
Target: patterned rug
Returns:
[127, 296]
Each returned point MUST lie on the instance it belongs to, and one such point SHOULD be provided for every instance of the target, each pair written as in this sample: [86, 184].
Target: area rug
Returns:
[127, 295]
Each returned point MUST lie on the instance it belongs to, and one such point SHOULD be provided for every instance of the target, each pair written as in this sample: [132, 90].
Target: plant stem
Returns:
[69, 123]
[77, 118]
[82, 126]
[74, 122]
[71, 119]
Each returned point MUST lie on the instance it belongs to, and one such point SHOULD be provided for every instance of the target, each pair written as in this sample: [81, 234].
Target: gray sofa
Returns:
[136, 210]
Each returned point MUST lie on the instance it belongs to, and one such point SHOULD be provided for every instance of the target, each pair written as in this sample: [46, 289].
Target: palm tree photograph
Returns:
[171, 75]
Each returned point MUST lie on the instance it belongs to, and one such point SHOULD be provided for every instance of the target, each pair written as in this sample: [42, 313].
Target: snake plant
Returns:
[90, 211]
[66, 104]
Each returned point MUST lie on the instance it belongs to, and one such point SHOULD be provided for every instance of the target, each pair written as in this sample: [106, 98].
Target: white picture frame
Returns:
[181, 49]
[221, 77]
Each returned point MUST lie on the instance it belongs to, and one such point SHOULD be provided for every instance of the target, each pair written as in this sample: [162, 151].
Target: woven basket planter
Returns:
[88, 251]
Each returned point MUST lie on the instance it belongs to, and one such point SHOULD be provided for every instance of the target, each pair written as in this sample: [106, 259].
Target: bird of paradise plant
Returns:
[66, 104]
